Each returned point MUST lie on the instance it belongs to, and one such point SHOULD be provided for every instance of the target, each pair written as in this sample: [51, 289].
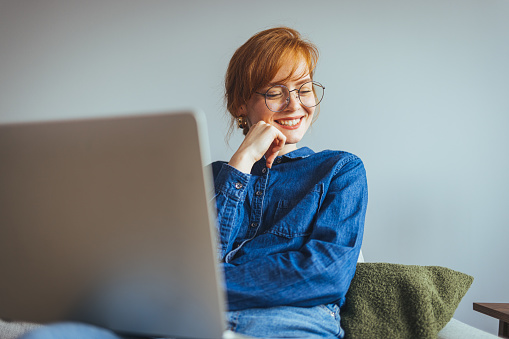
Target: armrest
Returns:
[456, 329]
[361, 257]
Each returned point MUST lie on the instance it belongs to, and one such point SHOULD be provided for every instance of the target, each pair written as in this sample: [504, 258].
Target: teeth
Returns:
[289, 122]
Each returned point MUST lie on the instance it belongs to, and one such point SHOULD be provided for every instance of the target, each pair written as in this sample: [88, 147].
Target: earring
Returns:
[241, 122]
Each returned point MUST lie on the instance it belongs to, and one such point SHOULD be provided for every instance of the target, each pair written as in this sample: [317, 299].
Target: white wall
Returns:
[418, 89]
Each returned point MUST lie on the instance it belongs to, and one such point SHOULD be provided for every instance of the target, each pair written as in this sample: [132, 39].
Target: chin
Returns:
[293, 139]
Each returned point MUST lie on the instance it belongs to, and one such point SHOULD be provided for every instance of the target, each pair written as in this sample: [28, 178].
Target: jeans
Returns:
[277, 322]
[321, 321]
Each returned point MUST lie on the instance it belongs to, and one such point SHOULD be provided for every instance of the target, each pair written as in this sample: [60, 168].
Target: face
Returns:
[295, 119]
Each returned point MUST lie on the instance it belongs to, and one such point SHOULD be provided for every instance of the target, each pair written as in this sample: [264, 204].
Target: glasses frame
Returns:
[290, 93]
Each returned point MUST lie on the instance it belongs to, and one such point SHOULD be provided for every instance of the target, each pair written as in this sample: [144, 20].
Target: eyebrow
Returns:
[299, 82]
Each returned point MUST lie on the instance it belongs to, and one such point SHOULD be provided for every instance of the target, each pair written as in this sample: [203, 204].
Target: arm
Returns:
[321, 271]
[231, 179]
[230, 194]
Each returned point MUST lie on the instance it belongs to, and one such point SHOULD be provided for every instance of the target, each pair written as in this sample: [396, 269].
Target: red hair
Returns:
[257, 61]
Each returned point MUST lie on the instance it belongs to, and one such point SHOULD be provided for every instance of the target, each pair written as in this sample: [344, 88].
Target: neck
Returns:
[288, 148]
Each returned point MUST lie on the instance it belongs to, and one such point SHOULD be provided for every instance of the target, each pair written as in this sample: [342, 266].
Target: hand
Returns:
[262, 139]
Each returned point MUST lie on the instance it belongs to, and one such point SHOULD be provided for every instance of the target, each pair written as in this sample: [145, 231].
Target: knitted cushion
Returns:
[401, 301]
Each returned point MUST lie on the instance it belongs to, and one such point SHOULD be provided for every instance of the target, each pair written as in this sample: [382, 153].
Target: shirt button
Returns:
[258, 193]
[264, 170]
[238, 185]
[254, 224]
[278, 160]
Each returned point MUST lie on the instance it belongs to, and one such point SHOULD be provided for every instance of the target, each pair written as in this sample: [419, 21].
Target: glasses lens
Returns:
[276, 98]
[311, 93]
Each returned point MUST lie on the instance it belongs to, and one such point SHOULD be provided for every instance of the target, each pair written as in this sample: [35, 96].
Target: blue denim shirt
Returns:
[290, 235]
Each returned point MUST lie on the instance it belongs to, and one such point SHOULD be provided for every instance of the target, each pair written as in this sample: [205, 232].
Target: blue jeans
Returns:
[321, 321]
[277, 322]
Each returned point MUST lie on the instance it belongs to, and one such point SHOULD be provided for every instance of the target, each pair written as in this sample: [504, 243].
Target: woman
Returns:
[290, 221]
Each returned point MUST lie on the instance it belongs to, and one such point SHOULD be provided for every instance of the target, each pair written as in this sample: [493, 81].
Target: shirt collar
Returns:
[299, 153]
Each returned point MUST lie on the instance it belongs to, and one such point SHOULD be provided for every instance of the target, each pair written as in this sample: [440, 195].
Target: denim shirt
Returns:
[290, 235]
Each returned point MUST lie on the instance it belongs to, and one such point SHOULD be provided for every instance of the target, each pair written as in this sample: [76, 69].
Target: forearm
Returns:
[309, 277]
[231, 190]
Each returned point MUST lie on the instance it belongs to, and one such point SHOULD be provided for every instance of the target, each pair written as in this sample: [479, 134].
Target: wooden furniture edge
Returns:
[499, 311]
[492, 309]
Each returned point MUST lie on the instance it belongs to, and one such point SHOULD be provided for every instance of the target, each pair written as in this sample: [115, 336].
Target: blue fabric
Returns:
[290, 235]
[321, 321]
[71, 330]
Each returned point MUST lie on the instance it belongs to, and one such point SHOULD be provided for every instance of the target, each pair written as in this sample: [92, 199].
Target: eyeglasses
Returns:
[277, 98]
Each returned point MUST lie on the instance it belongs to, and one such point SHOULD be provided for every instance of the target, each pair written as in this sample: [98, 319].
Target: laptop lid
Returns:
[110, 221]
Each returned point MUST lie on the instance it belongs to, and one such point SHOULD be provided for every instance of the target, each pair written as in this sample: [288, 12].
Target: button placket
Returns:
[256, 214]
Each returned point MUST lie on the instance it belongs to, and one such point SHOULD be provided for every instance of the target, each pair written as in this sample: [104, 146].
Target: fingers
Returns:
[270, 157]
[266, 136]
[273, 151]
[262, 139]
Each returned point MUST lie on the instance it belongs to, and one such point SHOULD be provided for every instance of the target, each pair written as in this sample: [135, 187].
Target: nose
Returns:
[294, 101]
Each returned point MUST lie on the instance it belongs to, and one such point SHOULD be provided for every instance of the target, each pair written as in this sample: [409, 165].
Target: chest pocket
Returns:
[294, 218]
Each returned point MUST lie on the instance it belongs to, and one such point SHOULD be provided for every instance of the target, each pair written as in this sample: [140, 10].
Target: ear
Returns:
[242, 111]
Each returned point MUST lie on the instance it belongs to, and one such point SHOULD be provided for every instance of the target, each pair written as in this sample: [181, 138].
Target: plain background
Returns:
[418, 89]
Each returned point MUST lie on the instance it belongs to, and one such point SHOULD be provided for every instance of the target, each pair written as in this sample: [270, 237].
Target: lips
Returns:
[292, 123]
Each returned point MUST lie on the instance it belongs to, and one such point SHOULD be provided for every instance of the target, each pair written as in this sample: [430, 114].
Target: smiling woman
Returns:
[290, 220]
[269, 81]
[256, 64]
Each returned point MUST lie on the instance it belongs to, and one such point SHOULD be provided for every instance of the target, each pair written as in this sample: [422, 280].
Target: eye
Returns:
[306, 89]
[274, 94]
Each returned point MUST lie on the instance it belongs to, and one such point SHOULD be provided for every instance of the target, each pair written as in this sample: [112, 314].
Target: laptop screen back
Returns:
[110, 221]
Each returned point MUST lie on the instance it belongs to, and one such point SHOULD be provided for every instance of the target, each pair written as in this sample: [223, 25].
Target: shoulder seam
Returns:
[346, 160]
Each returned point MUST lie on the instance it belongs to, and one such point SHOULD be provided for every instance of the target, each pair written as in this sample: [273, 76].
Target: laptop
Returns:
[111, 221]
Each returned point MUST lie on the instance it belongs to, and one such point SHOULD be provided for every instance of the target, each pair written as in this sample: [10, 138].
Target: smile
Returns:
[293, 123]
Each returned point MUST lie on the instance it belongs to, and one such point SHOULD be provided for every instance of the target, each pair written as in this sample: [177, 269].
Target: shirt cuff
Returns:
[232, 182]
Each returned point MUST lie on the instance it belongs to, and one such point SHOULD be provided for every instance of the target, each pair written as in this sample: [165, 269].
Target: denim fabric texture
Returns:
[290, 235]
[321, 321]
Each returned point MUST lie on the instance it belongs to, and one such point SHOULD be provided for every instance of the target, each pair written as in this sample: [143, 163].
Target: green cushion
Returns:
[401, 301]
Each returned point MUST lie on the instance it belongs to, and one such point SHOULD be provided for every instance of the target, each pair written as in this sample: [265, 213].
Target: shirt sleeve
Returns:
[321, 271]
[230, 193]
